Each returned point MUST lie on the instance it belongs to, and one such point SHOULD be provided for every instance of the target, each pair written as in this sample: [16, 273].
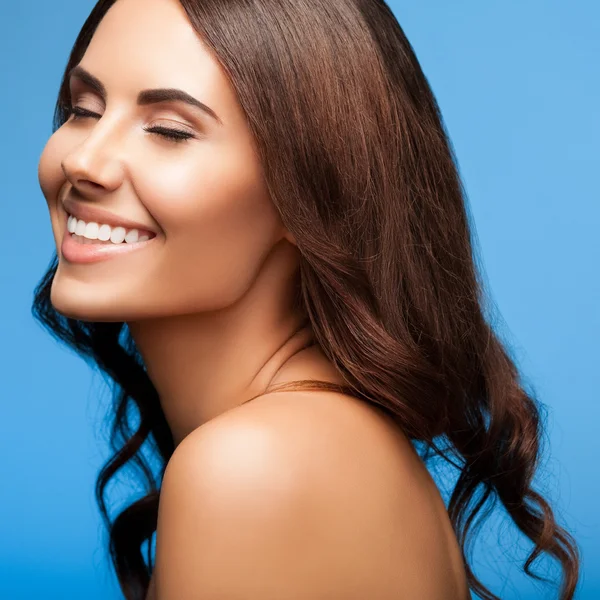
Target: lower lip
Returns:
[76, 252]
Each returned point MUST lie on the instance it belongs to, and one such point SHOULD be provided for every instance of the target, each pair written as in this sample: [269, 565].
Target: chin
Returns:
[72, 300]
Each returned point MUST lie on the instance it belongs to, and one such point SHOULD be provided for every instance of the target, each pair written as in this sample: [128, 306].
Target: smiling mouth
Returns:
[76, 249]
[104, 234]
[80, 239]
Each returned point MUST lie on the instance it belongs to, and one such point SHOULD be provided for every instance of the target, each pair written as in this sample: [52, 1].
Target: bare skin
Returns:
[411, 548]
[209, 301]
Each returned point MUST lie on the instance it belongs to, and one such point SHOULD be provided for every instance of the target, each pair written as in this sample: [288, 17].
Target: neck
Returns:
[206, 363]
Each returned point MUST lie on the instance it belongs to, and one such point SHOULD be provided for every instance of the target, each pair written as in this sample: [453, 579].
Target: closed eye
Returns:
[173, 135]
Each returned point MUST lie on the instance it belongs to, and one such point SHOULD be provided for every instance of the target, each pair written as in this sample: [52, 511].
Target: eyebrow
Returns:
[145, 97]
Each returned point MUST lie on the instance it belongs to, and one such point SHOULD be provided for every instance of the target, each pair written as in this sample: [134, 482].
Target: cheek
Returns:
[200, 192]
[219, 225]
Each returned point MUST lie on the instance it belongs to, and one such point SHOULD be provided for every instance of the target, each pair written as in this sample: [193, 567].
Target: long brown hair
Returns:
[359, 165]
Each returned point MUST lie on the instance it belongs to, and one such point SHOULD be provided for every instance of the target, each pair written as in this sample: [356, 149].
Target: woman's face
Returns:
[204, 197]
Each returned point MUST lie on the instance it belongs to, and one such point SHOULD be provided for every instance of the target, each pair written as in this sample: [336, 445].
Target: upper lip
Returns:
[89, 213]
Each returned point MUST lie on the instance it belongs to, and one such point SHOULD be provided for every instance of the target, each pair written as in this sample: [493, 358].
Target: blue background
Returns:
[518, 85]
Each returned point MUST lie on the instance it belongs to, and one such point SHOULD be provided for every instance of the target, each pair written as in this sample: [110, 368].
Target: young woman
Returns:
[262, 240]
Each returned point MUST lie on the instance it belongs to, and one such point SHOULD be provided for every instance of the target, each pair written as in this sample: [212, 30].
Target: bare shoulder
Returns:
[301, 495]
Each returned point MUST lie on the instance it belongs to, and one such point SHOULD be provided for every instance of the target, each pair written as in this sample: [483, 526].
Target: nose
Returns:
[94, 167]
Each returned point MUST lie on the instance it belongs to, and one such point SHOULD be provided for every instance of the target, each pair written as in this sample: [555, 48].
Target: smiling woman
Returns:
[304, 311]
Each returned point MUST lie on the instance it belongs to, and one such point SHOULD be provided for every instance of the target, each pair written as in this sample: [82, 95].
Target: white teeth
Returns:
[132, 236]
[104, 233]
[117, 235]
[90, 231]
[80, 228]
[71, 224]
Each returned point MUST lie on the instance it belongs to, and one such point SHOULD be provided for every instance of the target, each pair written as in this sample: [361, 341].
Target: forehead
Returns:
[151, 43]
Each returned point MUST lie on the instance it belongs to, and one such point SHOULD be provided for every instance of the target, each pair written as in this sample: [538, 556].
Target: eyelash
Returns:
[173, 135]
